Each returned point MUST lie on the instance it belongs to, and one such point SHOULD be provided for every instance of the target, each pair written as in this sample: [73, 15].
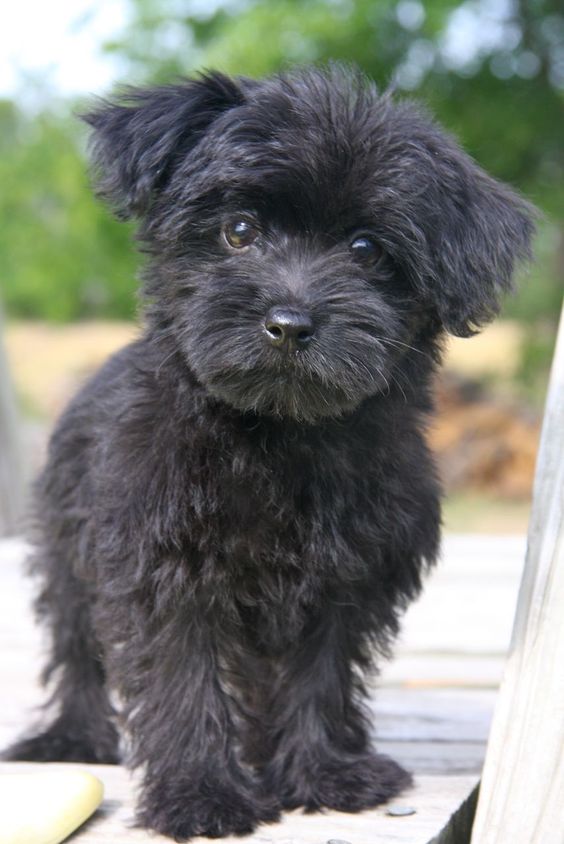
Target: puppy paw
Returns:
[212, 809]
[58, 745]
[348, 785]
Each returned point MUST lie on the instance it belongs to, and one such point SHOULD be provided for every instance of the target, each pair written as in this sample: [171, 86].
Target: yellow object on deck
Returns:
[44, 808]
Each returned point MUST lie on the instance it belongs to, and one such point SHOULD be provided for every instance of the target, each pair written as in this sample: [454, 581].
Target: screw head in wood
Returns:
[400, 811]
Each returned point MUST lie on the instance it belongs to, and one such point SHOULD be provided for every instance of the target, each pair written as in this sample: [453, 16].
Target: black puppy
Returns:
[238, 506]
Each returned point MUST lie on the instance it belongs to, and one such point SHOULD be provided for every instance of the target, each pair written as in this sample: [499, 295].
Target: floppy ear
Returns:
[476, 232]
[138, 136]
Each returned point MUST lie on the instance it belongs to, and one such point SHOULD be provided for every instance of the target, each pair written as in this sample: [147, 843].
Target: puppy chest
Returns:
[277, 536]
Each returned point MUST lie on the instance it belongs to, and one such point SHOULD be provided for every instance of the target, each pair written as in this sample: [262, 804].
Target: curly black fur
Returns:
[230, 531]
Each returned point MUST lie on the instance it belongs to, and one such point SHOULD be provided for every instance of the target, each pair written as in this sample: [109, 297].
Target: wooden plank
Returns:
[441, 715]
[468, 602]
[11, 471]
[434, 799]
[455, 669]
[448, 758]
[522, 792]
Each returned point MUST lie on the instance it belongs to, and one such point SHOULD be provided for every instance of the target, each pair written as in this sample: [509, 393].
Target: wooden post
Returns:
[522, 792]
[11, 475]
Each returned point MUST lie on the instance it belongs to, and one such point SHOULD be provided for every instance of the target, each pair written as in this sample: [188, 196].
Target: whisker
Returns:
[396, 381]
[406, 345]
[367, 330]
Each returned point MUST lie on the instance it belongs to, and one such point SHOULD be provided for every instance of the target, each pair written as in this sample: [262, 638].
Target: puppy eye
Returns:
[365, 249]
[240, 233]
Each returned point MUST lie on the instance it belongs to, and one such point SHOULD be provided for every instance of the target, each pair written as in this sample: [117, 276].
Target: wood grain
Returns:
[522, 793]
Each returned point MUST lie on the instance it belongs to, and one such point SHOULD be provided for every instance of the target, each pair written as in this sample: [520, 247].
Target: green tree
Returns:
[62, 256]
[491, 70]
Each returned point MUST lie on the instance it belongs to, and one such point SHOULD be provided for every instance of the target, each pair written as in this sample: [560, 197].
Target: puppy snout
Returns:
[289, 328]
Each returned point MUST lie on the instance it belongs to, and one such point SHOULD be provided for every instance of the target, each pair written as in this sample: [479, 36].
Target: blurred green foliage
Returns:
[61, 254]
[491, 70]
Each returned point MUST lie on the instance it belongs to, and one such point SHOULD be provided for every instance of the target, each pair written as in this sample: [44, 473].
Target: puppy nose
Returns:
[288, 328]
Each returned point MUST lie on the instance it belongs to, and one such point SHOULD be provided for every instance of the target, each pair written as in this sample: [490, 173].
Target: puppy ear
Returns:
[138, 136]
[476, 230]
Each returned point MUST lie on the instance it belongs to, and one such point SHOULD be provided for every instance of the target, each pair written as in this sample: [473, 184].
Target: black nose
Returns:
[288, 328]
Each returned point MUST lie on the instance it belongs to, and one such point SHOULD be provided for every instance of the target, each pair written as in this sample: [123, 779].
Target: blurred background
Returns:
[491, 70]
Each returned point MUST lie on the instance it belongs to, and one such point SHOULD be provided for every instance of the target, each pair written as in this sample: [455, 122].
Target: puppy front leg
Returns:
[183, 734]
[321, 754]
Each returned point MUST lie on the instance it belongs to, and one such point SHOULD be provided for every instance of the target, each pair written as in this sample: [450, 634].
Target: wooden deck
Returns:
[432, 704]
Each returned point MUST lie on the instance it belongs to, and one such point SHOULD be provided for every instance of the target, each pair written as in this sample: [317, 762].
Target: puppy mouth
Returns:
[292, 384]
[284, 395]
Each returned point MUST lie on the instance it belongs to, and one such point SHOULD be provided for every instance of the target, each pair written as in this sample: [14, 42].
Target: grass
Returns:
[474, 512]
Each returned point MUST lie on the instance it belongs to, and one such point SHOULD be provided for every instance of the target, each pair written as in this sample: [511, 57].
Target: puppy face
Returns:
[287, 301]
[305, 233]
